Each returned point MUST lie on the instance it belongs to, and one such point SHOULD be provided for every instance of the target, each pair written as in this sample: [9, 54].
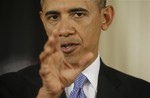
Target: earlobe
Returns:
[107, 14]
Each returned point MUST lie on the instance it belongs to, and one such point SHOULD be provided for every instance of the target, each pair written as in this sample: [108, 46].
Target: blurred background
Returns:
[22, 35]
[125, 46]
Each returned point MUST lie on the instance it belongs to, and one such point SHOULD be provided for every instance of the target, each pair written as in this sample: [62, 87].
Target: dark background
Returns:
[22, 35]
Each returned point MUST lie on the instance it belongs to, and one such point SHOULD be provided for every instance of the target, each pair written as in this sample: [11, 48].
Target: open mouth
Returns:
[69, 47]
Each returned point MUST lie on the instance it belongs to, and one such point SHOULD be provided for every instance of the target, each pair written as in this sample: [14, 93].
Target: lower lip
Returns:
[69, 49]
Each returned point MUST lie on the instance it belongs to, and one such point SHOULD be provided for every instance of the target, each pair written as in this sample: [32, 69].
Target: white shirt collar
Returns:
[92, 72]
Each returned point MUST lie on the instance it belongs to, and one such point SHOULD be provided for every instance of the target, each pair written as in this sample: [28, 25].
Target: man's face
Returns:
[78, 24]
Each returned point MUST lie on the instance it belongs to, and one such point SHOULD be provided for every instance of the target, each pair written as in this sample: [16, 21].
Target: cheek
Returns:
[90, 38]
[90, 35]
[91, 32]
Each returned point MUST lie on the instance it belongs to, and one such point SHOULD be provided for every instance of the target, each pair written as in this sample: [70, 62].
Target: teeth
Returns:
[67, 47]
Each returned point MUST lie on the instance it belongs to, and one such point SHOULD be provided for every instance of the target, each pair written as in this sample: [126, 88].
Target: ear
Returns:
[41, 13]
[107, 14]
[41, 16]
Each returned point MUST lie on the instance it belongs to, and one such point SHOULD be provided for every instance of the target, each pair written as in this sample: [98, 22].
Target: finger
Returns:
[45, 54]
[47, 71]
[48, 48]
[53, 42]
[44, 70]
[56, 42]
[50, 78]
[72, 71]
[49, 42]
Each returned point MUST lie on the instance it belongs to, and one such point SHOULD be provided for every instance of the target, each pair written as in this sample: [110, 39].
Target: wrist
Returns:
[44, 93]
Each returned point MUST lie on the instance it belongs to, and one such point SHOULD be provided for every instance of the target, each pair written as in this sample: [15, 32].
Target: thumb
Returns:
[85, 60]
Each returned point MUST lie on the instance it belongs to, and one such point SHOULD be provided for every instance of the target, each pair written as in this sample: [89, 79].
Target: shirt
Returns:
[91, 72]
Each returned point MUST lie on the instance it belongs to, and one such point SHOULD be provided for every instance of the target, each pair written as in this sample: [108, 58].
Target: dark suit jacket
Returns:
[111, 84]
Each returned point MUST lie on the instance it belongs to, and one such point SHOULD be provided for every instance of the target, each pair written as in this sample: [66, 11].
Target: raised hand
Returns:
[56, 72]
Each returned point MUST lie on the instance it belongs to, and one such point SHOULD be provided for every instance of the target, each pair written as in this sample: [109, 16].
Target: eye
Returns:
[79, 14]
[53, 17]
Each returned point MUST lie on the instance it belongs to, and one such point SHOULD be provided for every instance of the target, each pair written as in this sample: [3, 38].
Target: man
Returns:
[73, 28]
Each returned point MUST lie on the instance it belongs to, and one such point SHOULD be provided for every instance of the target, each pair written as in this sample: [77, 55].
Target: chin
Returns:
[72, 60]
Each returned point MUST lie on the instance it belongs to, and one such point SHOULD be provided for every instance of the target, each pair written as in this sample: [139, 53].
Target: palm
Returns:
[56, 72]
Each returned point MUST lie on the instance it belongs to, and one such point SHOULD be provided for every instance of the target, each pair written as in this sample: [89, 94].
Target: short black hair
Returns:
[101, 3]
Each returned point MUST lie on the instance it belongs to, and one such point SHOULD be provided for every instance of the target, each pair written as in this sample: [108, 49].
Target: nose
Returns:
[65, 28]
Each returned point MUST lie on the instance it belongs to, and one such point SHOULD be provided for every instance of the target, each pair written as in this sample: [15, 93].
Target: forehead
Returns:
[56, 4]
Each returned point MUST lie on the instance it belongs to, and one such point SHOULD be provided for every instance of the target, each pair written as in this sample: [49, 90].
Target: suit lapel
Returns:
[108, 83]
[63, 95]
[103, 91]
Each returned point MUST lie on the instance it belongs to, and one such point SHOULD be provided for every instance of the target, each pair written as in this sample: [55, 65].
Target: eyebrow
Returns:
[51, 12]
[77, 9]
[70, 11]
